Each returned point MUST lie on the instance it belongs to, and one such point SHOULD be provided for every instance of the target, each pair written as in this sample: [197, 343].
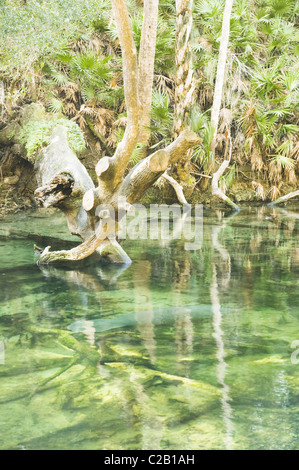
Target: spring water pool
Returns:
[180, 350]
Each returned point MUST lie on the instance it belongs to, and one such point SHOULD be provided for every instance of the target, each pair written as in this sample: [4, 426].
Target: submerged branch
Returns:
[81, 251]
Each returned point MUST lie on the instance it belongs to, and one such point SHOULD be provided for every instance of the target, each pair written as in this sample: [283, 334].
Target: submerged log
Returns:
[111, 251]
[81, 251]
[77, 253]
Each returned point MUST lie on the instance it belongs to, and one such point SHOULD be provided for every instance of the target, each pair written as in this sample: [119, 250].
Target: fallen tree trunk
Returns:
[96, 201]
[285, 198]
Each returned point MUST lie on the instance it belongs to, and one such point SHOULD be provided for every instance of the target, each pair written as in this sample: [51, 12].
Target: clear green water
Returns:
[181, 350]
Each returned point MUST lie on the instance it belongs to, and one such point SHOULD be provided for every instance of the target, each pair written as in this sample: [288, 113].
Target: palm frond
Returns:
[55, 105]
[137, 155]
[283, 162]
[59, 77]
[160, 112]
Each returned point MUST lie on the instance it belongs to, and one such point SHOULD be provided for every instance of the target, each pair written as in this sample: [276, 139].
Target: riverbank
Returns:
[18, 183]
[17, 194]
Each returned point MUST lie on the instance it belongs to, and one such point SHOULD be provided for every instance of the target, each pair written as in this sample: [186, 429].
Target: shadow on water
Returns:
[180, 350]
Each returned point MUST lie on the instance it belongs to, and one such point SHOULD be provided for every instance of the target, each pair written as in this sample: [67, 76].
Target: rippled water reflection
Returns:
[181, 350]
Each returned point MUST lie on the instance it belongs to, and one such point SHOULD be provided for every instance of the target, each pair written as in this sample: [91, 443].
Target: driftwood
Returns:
[285, 198]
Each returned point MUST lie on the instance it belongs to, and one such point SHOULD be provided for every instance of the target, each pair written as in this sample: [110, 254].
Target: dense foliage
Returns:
[35, 134]
[66, 54]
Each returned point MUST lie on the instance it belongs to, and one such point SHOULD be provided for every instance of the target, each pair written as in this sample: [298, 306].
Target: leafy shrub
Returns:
[37, 134]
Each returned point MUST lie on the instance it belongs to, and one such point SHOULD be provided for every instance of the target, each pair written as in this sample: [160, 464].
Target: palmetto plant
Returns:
[161, 117]
[261, 85]
[79, 73]
[88, 81]
[85, 88]
[279, 8]
[200, 124]
[32, 31]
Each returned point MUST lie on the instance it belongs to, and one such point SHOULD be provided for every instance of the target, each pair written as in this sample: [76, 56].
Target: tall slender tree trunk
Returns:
[118, 163]
[184, 89]
[215, 112]
[218, 91]
[146, 66]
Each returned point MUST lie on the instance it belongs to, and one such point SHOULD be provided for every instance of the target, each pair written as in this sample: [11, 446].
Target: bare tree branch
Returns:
[177, 187]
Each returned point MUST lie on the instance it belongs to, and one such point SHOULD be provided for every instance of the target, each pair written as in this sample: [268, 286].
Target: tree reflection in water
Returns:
[132, 351]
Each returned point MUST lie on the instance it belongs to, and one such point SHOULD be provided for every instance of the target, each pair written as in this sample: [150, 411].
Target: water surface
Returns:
[180, 350]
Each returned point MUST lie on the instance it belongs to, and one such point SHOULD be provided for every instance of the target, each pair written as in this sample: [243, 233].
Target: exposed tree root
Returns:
[216, 191]
[78, 253]
[178, 189]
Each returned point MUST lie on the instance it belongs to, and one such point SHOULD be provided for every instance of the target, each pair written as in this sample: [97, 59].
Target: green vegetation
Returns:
[66, 55]
[36, 134]
[182, 349]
